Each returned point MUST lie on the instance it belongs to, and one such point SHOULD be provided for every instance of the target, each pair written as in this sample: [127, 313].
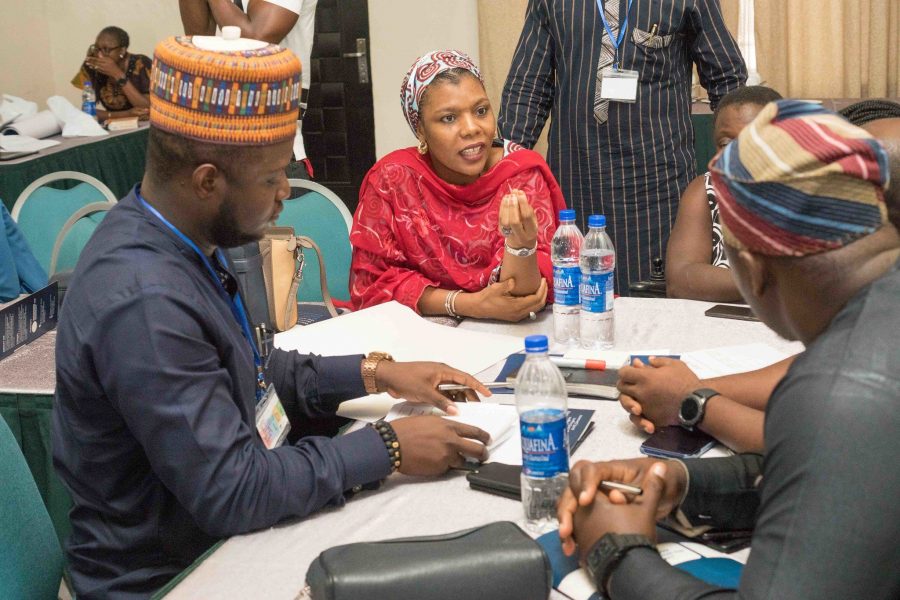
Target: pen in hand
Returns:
[622, 487]
[456, 387]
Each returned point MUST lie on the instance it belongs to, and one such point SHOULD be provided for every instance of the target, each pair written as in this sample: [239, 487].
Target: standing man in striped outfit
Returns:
[625, 149]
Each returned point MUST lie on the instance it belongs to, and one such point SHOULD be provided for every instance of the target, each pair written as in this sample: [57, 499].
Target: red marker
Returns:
[579, 363]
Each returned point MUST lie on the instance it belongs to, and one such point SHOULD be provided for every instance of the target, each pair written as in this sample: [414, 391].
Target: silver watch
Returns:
[522, 251]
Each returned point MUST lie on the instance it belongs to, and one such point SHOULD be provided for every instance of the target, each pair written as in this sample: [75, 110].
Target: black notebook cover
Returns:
[579, 382]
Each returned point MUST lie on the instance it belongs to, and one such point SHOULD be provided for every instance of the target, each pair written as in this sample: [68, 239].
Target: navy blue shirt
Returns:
[153, 427]
[634, 167]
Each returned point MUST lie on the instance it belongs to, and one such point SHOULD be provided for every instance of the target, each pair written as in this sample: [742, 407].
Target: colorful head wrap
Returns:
[247, 97]
[423, 72]
[799, 180]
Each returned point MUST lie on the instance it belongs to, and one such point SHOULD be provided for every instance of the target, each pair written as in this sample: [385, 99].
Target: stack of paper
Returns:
[499, 420]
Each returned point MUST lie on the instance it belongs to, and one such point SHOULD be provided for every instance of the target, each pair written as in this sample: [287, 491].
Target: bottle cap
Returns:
[596, 221]
[567, 214]
[536, 343]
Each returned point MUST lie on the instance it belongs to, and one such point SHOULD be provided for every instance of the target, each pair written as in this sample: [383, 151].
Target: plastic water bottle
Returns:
[598, 265]
[541, 401]
[88, 100]
[565, 252]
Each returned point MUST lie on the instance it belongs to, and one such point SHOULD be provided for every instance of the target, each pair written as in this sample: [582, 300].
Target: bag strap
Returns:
[306, 242]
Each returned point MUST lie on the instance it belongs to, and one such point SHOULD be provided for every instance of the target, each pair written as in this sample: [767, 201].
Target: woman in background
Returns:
[120, 80]
[696, 267]
[460, 225]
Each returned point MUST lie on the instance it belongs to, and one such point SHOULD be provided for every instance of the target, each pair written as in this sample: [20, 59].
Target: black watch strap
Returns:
[693, 408]
[609, 551]
[122, 81]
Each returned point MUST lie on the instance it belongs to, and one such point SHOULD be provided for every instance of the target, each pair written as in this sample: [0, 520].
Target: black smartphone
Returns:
[677, 442]
[497, 478]
[727, 311]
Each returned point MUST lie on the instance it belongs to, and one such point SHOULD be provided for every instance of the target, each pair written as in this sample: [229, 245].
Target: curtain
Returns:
[805, 48]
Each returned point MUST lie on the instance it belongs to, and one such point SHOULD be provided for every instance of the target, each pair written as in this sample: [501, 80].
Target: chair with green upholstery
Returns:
[31, 561]
[315, 211]
[74, 235]
[41, 210]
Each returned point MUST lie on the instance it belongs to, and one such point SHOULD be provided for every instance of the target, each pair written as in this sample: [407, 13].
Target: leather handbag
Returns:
[282, 257]
[497, 561]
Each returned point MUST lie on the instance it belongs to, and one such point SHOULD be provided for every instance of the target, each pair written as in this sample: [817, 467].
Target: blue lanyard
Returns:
[616, 43]
[236, 304]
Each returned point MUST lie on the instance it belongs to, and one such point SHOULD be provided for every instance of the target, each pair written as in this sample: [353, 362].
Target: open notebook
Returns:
[499, 420]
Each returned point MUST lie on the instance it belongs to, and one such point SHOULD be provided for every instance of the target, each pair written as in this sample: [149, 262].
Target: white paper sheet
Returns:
[398, 330]
[75, 123]
[41, 125]
[727, 360]
[499, 420]
[24, 143]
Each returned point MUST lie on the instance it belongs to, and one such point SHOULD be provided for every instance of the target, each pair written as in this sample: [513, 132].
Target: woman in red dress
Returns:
[461, 224]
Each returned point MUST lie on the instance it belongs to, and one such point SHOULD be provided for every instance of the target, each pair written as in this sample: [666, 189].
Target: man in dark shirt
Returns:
[802, 199]
[157, 427]
[630, 158]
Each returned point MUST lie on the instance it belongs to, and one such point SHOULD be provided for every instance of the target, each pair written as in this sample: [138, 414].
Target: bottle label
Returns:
[597, 292]
[544, 449]
[566, 281]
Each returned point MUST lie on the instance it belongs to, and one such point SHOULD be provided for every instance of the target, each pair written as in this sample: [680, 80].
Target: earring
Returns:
[423, 147]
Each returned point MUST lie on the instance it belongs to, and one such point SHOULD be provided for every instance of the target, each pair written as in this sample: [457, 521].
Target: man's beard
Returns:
[225, 231]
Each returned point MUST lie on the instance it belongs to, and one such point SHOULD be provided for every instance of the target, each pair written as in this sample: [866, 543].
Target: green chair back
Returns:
[41, 211]
[317, 212]
[75, 234]
[31, 560]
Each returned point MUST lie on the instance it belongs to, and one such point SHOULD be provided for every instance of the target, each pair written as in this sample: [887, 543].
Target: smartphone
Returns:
[497, 478]
[727, 311]
[677, 442]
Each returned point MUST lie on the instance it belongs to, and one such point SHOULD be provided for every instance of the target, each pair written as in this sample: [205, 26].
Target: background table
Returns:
[27, 382]
[117, 160]
[273, 563]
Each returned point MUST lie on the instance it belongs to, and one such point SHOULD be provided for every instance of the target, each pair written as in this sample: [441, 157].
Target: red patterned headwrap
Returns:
[423, 72]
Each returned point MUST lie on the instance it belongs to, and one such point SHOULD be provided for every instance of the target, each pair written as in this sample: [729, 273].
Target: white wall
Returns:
[43, 42]
[401, 31]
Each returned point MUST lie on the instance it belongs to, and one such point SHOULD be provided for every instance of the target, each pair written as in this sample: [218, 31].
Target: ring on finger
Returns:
[506, 231]
[532, 316]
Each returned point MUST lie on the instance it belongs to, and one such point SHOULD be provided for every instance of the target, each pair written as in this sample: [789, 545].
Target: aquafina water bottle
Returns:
[598, 265]
[564, 252]
[88, 100]
[541, 401]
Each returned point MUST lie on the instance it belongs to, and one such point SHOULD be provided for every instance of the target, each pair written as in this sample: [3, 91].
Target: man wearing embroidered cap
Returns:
[801, 197]
[167, 429]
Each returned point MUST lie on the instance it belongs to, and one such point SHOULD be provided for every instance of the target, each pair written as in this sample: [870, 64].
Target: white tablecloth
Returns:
[272, 564]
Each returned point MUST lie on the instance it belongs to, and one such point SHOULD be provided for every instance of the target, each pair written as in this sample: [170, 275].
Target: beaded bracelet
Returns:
[450, 303]
[389, 437]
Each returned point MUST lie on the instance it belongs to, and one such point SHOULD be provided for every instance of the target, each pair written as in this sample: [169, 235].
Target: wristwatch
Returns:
[368, 368]
[522, 251]
[122, 81]
[693, 408]
[608, 551]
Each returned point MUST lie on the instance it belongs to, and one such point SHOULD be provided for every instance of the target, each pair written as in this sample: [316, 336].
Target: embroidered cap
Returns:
[800, 180]
[225, 91]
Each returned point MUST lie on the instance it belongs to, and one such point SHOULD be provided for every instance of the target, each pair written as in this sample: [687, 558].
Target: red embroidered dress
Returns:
[412, 229]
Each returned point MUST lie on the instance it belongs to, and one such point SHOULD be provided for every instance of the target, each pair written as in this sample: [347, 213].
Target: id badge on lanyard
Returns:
[617, 85]
[271, 420]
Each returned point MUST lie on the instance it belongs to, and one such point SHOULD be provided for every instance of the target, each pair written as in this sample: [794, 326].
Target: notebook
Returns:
[585, 382]
[499, 420]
